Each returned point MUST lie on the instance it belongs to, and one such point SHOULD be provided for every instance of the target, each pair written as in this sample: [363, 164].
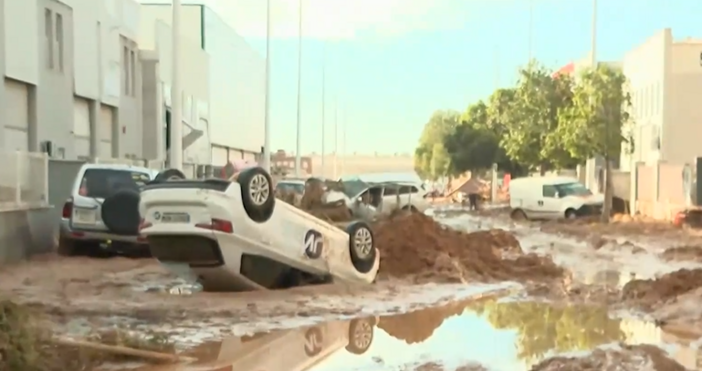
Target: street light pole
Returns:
[175, 153]
[593, 36]
[324, 103]
[267, 113]
[336, 136]
[531, 31]
[298, 154]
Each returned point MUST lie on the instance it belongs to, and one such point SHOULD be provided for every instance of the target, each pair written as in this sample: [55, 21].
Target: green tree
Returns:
[472, 146]
[530, 119]
[440, 161]
[435, 130]
[598, 121]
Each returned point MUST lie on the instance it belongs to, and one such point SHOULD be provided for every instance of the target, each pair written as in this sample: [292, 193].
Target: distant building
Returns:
[665, 79]
[284, 164]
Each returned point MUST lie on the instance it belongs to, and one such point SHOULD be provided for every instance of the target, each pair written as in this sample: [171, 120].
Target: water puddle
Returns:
[497, 334]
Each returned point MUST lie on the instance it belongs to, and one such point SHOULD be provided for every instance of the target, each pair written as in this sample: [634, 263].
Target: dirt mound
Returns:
[663, 288]
[628, 358]
[683, 253]
[415, 245]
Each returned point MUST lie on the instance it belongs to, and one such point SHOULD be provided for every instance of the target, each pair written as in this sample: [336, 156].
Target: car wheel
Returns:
[257, 193]
[570, 214]
[169, 174]
[410, 208]
[360, 335]
[518, 214]
[120, 213]
[361, 246]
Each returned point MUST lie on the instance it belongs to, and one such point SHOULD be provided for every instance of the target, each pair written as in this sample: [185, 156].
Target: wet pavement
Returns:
[498, 334]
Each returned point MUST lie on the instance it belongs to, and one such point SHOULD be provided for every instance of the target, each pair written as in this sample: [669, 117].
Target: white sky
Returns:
[338, 19]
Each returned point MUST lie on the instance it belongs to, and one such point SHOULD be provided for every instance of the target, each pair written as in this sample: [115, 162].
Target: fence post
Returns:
[493, 184]
[18, 178]
[45, 196]
[634, 188]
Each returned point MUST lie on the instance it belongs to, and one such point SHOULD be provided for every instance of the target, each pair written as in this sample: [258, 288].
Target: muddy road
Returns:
[456, 292]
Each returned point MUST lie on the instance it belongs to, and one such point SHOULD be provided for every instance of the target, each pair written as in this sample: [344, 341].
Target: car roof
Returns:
[545, 180]
[292, 181]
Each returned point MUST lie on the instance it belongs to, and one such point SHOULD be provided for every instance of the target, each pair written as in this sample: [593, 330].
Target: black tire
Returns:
[66, 247]
[169, 174]
[410, 208]
[257, 193]
[360, 335]
[518, 214]
[120, 213]
[571, 214]
[361, 246]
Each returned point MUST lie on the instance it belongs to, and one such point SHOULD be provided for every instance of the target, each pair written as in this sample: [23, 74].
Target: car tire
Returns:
[410, 208]
[360, 335]
[169, 174]
[518, 214]
[570, 214]
[361, 246]
[66, 247]
[120, 213]
[257, 193]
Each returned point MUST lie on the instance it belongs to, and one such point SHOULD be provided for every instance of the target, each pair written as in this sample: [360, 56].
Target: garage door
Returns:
[17, 117]
[219, 156]
[105, 143]
[81, 127]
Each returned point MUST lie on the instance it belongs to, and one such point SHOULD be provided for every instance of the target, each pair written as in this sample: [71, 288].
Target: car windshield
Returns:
[355, 187]
[101, 183]
[572, 189]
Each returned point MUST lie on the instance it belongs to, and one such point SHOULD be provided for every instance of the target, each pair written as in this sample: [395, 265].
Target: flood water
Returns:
[499, 334]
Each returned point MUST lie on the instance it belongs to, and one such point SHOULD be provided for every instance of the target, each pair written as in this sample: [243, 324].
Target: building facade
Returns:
[237, 80]
[665, 78]
[72, 81]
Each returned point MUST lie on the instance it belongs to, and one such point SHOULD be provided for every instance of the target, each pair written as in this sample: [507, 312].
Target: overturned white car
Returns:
[233, 235]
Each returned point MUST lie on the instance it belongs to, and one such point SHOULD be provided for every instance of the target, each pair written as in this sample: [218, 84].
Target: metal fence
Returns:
[23, 179]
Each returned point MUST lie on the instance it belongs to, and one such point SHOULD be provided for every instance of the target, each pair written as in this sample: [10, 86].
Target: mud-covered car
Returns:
[91, 220]
[233, 235]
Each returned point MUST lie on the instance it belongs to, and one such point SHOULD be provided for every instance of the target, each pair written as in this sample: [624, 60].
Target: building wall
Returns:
[62, 62]
[237, 73]
[645, 68]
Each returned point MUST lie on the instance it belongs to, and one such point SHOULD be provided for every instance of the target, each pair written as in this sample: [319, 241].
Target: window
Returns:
[101, 183]
[408, 189]
[132, 69]
[59, 40]
[572, 189]
[125, 70]
[49, 35]
[390, 190]
[549, 191]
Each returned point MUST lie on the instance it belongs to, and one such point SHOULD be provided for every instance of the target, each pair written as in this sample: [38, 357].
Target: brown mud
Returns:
[664, 288]
[628, 358]
[413, 244]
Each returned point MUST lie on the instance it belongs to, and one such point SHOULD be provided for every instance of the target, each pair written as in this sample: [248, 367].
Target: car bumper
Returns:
[105, 240]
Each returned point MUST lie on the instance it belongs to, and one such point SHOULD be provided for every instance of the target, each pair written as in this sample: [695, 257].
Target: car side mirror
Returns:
[556, 195]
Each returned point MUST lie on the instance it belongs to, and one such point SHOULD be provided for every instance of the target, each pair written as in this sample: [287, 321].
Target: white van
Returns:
[552, 198]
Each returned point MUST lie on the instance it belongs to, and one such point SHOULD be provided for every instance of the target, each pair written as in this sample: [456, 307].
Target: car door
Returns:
[549, 204]
[391, 198]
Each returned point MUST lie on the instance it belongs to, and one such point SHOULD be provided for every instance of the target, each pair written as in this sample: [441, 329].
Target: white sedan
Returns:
[233, 235]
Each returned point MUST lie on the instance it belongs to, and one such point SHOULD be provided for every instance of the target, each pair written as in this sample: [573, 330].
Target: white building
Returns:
[236, 80]
[665, 78]
[71, 77]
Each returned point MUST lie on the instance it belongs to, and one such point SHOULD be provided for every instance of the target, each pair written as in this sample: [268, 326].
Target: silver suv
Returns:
[87, 226]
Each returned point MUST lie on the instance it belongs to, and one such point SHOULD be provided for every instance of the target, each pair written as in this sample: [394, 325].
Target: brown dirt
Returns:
[683, 253]
[629, 358]
[413, 244]
[664, 288]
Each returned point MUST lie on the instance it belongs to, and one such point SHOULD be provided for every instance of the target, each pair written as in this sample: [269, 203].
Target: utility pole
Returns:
[175, 152]
[531, 31]
[324, 103]
[298, 149]
[267, 114]
[336, 136]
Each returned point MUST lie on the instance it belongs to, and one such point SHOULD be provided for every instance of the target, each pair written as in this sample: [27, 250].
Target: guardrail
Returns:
[24, 180]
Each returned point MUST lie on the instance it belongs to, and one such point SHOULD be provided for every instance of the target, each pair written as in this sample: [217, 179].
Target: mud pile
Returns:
[628, 358]
[663, 288]
[683, 253]
[414, 245]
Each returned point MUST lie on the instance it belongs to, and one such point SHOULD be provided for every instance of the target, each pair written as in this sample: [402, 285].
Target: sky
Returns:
[391, 63]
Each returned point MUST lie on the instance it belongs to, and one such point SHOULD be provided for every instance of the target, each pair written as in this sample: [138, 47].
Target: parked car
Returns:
[91, 219]
[552, 198]
[233, 235]
[291, 185]
[386, 197]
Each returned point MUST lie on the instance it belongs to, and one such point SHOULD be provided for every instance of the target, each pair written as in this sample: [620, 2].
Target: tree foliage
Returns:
[544, 122]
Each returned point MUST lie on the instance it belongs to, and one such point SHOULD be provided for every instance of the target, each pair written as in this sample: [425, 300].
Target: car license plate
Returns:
[175, 218]
[84, 216]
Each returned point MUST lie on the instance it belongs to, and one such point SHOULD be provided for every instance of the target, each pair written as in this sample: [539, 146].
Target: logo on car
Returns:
[157, 216]
[314, 244]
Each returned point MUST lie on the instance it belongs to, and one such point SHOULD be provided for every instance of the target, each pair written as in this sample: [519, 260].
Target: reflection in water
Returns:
[544, 328]
[499, 335]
